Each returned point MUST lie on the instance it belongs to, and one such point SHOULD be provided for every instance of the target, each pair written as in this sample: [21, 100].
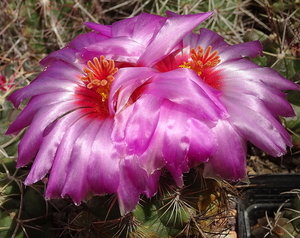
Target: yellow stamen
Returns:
[201, 61]
[99, 76]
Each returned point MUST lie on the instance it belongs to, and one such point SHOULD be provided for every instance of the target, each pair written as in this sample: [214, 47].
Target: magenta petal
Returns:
[136, 125]
[254, 121]
[244, 88]
[124, 27]
[63, 160]
[229, 162]
[203, 143]
[226, 52]
[75, 184]
[65, 54]
[141, 28]
[145, 128]
[133, 181]
[192, 97]
[59, 71]
[167, 38]
[178, 148]
[137, 132]
[247, 49]
[37, 88]
[103, 165]
[126, 82]
[205, 39]
[176, 142]
[121, 49]
[102, 29]
[137, 128]
[70, 53]
[128, 196]
[35, 104]
[83, 40]
[33, 138]
[162, 133]
[246, 70]
[51, 140]
[146, 27]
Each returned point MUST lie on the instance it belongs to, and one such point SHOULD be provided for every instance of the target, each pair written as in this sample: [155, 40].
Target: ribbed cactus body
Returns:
[23, 210]
[197, 208]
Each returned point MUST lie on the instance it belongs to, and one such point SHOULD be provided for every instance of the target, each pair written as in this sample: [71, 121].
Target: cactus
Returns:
[286, 221]
[199, 209]
[196, 210]
[23, 211]
[293, 213]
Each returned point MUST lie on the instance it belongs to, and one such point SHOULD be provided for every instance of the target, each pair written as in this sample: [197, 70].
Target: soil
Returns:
[261, 163]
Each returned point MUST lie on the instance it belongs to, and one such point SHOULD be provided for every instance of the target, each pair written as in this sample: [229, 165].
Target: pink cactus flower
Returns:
[119, 104]
[251, 96]
[81, 107]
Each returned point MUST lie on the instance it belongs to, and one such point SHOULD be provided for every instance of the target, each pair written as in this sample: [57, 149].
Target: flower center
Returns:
[99, 76]
[201, 61]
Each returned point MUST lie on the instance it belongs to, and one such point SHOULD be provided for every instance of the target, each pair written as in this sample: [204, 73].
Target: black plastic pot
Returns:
[264, 195]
